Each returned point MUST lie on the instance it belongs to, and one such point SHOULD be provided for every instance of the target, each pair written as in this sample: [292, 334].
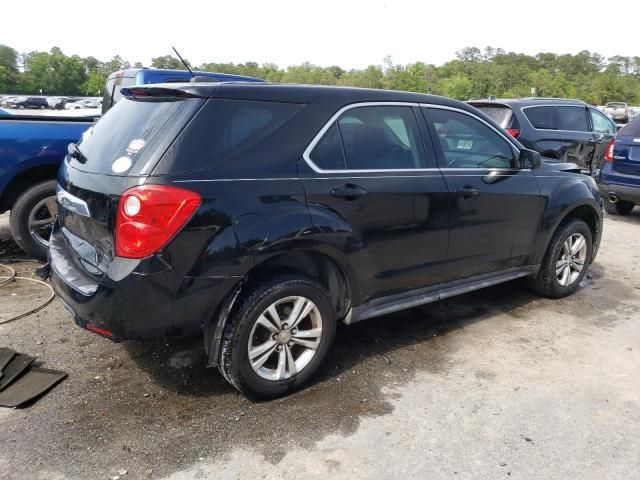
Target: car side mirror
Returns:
[529, 159]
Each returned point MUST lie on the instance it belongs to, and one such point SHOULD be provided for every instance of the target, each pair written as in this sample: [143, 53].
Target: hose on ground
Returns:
[12, 277]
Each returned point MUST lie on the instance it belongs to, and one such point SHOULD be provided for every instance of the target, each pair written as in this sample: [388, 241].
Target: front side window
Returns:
[572, 119]
[540, 117]
[467, 142]
[601, 123]
[384, 137]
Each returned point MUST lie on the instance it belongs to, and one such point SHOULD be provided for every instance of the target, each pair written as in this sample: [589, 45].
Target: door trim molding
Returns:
[422, 296]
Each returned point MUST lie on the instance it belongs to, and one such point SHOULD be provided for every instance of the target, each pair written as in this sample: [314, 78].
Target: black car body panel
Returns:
[393, 237]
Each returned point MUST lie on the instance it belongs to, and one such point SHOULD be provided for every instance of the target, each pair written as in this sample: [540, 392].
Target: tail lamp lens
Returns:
[608, 153]
[149, 216]
[514, 132]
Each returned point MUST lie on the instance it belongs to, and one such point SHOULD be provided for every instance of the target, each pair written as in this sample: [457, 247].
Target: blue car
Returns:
[145, 76]
[619, 179]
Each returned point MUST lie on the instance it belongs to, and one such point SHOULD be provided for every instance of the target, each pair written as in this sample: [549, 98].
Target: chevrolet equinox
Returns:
[263, 214]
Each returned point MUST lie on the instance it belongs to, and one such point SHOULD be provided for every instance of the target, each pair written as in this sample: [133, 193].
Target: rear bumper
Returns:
[626, 193]
[139, 306]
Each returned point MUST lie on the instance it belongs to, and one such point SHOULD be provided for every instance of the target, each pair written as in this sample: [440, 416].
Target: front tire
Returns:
[32, 218]
[621, 207]
[566, 261]
[277, 336]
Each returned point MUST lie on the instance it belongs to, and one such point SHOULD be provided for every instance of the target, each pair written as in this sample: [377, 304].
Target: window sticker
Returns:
[465, 144]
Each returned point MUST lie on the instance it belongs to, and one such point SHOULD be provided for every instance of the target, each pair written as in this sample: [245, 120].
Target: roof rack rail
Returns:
[554, 98]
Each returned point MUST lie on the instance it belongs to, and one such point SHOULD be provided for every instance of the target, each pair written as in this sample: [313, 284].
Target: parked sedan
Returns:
[565, 130]
[261, 215]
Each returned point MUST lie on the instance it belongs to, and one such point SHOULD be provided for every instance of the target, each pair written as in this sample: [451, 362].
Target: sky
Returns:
[351, 34]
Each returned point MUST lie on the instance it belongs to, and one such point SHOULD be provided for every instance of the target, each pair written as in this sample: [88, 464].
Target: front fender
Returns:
[564, 193]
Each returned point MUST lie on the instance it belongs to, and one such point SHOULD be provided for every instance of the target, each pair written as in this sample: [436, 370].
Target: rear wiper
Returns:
[74, 152]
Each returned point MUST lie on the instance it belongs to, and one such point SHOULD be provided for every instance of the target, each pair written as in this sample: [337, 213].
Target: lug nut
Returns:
[285, 326]
[290, 343]
[279, 348]
[294, 331]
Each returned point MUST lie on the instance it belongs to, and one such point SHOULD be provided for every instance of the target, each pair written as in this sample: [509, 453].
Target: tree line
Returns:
[473, 73]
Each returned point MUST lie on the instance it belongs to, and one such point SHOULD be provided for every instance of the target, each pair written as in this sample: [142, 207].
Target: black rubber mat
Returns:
[14, 369]
[6, 354]
[30, 386]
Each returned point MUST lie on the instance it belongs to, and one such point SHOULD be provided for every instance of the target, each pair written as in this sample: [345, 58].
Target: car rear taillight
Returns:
[149, 216]
[608, 153]
[514, 132]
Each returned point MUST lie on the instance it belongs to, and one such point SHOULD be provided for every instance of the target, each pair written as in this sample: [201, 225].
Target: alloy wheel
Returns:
[41, 219]
[285, 338]
[571, 260]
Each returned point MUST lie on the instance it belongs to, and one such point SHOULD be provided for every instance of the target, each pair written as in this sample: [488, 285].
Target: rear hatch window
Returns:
[632, 129]
[133, 134]
[501, 114]
[222, 130]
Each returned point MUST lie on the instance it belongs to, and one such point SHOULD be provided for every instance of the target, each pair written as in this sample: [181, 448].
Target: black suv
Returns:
[261, 215]
[31, 102]
[565, 130]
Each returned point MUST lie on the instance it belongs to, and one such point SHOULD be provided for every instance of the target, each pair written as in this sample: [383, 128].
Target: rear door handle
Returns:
[466, 192]
[348, 192]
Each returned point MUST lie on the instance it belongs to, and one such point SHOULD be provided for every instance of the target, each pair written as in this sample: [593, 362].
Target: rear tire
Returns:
[22, 212]
[621, 207]
[558, 275]
[290, 364]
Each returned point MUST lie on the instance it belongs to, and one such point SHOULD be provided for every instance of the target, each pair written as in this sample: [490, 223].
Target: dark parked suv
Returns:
[619, 178]
[31, 102]
[565, 130]
[261, 215]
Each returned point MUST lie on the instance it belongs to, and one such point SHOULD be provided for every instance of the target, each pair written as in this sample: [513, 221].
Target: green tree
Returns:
[8, 69]
[169, 62]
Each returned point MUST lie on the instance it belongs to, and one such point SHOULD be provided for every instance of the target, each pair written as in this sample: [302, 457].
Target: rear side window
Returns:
[381, 137]
[128, 135]
[572, 118]
[540, 117]
[632, 129]
[601, 123]
[328, 151]
[222, 130]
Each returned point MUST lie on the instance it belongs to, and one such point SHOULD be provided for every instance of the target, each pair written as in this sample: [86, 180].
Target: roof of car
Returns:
[528, 101]
[296, 93]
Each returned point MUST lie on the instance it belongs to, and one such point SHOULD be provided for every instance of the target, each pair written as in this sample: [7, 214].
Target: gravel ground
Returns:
[499, 383]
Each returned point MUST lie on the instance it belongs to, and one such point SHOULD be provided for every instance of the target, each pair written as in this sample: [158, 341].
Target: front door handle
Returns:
[467, 192]
[348, 192]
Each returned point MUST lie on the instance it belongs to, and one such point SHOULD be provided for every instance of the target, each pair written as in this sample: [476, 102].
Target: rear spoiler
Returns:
[143, 93]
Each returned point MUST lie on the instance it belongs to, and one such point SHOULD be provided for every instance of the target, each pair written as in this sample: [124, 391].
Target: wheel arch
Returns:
[587, 212]
[25, 180]
[309, 263]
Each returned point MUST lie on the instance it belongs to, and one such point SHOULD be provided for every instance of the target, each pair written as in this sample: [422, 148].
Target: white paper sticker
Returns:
[465, 144]
[121, 165]
[135, 146]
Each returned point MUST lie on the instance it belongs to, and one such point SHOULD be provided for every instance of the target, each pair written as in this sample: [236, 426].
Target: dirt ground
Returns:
[499, 383]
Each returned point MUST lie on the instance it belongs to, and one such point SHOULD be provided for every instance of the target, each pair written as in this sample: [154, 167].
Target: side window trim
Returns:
[307, 153]
[425, 112]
